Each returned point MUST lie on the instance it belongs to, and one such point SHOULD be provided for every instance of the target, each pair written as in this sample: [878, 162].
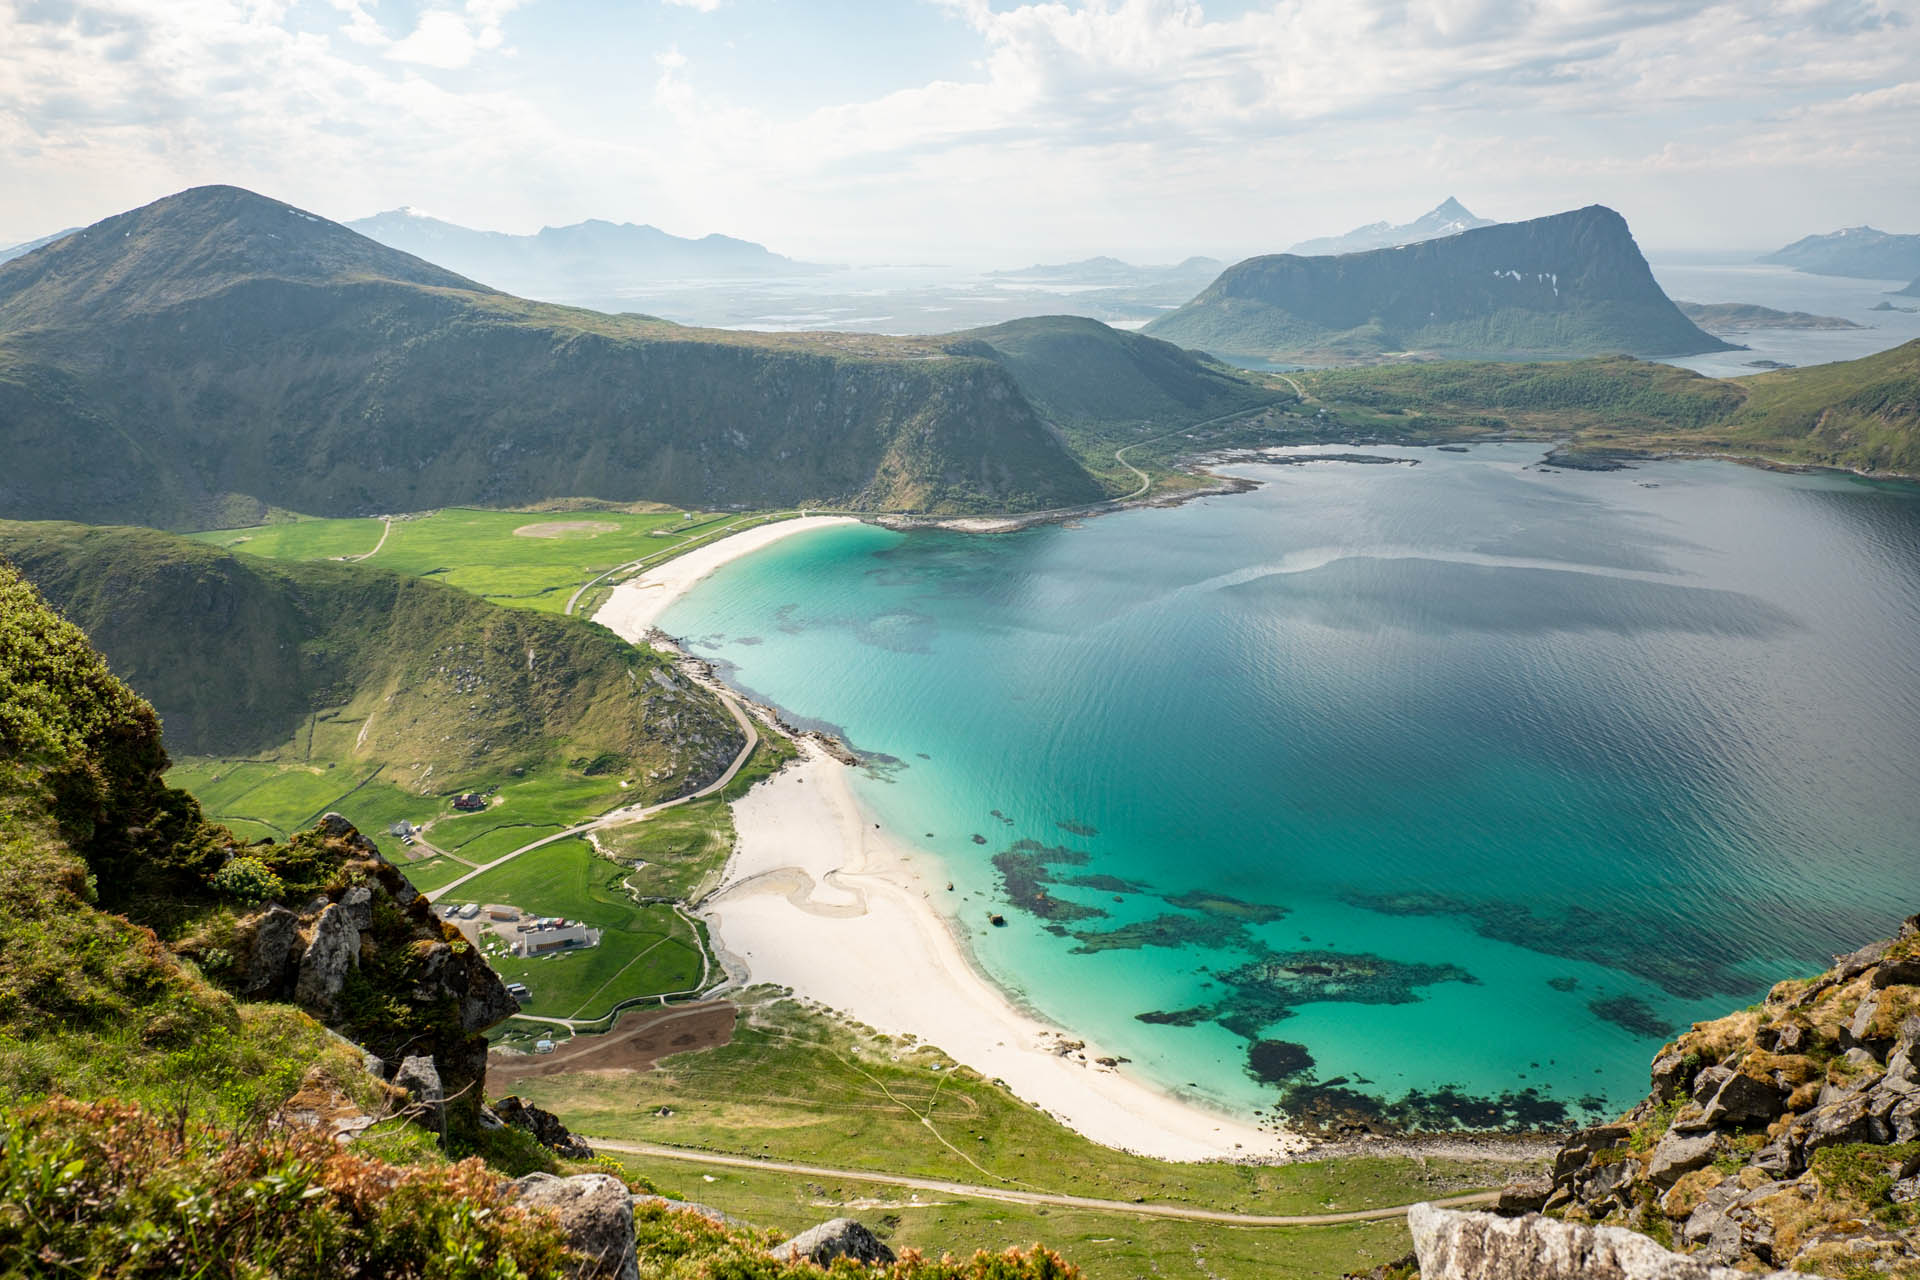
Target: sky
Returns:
[976, 131]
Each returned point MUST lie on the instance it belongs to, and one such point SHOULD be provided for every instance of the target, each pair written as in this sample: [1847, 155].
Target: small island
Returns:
[1739, 317]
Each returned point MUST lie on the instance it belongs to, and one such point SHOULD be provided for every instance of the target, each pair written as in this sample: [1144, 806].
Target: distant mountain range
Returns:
[1861, 252]
[1571, 284]
[200, 360]
[593, 254]
[20, 250]
[1114, 272]
[1448, 218]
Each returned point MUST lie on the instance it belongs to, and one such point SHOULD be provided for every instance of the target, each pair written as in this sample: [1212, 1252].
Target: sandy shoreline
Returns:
[819, 899]
[636, 605]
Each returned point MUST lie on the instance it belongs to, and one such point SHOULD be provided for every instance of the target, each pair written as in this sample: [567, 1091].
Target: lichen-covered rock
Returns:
[270, 948]
[425, 1093]
[1773, 1136]
[334, 949]
[1483, 1246]
[595, 1211]
[840, 1238]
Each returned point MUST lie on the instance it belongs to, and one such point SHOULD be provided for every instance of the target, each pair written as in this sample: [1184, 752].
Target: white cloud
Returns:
[1092, 125]
[702, 6]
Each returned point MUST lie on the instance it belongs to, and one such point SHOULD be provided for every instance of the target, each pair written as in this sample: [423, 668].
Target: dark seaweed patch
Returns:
[1175, 1017]
[1078, 829]
[1330, 1110]
[1026, 879]
[1271, 1061]
[1230, 908]
[1168, 930]
[1686, 970]
[1563, 984]
[1268, 989]
[1105, 884]
[1632, 1013]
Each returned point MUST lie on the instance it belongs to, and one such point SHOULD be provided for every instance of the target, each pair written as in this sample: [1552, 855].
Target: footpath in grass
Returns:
[643, 950]
[1104, 1245]
[796, 1085]
[533, 560]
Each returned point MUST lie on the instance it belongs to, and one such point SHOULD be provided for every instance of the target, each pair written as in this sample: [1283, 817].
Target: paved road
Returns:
[1037, 1197]
[629, 814]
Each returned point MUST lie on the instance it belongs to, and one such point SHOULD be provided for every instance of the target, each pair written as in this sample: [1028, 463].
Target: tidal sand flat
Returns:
[1413, 796]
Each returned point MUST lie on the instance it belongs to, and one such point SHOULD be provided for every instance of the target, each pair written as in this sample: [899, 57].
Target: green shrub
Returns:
[249, 880]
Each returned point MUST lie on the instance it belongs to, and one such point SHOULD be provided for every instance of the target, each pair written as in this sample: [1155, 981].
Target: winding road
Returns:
[1045, 1198]
[631, 813]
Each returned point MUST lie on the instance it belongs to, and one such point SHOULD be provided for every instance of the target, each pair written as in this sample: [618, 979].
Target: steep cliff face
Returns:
[216, 350]
[1571, 284]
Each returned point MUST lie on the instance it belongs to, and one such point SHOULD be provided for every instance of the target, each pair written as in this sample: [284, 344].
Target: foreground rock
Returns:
[1485, 1246]
[840, 1238]
[1782, 1136]
[596, 1212]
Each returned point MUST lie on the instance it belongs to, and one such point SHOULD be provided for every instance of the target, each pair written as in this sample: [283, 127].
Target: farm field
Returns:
[644, 949]
[526, 559]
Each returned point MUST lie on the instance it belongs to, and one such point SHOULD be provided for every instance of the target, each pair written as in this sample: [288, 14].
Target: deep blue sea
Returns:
[1453, 785]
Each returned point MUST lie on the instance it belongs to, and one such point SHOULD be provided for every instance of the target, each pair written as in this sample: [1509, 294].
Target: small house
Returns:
[469, 802]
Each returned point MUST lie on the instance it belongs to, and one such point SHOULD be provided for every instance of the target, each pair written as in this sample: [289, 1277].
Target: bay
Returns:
[1468, 779]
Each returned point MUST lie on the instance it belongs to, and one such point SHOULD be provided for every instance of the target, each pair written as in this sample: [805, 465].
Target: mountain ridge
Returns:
[1448, 218]
[1569, 284]
[1863, 253]
[217, 352]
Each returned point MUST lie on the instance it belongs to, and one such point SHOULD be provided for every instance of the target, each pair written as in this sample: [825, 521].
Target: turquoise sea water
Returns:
[1463, 773]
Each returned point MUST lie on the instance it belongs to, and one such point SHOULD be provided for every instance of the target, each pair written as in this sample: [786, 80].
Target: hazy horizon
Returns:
[965, 132]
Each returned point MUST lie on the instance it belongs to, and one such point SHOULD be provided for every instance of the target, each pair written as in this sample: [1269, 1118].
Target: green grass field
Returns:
[794, 1085]
[1106, 1246]
[644, 949]
[533, 560]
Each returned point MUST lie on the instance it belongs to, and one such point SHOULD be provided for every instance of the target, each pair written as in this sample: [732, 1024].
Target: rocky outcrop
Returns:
[840, 1238]
[1484, 1246]
[545, 1127]
[368, 958]
[1786, 1135]
[595, 1210]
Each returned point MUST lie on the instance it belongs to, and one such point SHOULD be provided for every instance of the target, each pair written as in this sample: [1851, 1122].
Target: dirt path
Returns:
[376, 546]
[1048, 1199]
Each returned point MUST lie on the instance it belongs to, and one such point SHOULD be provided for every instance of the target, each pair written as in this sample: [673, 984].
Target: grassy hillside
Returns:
[1567, 285]
[1863, 414]
[216, 353]
[349, 663]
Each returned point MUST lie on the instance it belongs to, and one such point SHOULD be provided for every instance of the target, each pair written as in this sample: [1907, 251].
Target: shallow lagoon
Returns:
[1463, 773]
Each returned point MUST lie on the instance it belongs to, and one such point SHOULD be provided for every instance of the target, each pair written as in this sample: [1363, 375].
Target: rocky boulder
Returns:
[1484, 1246]
[595, 1210]
[840, 1238]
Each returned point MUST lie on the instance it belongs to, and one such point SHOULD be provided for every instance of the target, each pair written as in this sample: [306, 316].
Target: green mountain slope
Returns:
[1081, 372]
[193, 361]
[1567, 285]
[243, 656]
[1863, 414]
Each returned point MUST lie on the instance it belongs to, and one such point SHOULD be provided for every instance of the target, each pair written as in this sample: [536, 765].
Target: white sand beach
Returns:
[818, 899]
[636, 605]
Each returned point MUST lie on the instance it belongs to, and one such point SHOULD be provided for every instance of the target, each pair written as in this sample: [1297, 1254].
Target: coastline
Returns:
[819, 899]
[636, 604]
